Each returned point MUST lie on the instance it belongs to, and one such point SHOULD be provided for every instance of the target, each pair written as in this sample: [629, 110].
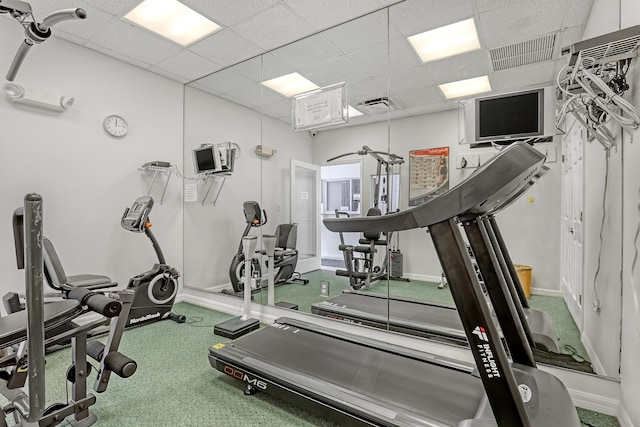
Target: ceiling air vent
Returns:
[376, 106]
[523, 53]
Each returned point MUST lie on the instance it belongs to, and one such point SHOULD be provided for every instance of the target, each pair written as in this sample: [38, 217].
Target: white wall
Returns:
[87, 178]
[607, 16]
[530, 228]
[212, 233]
[630, 369]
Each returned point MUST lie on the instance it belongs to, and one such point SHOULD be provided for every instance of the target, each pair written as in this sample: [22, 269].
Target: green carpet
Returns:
[175, 385]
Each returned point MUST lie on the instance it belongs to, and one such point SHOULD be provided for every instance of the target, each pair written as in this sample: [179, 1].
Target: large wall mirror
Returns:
[400, 146]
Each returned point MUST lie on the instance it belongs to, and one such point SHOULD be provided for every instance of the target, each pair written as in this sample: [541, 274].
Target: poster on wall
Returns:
[428, 174]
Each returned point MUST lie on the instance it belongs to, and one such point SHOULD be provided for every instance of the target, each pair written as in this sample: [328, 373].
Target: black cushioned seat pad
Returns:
[90, 281]
[13, 328]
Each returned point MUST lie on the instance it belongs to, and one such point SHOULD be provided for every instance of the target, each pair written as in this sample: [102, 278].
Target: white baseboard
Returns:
[595, 402]
[422, 277]
[546, 292]
[593, 356]
[623, 417]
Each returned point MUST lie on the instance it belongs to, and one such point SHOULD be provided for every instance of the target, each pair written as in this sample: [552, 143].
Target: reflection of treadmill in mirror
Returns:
[441, 322]
[365, 382]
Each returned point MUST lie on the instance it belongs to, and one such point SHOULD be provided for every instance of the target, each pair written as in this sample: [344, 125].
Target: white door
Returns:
[572, 221]
[305, 211]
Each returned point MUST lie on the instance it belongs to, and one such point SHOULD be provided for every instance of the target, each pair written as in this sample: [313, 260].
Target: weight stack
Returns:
[396, 266]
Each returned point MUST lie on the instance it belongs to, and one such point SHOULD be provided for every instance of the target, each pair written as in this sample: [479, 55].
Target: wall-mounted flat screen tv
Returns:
[512, 116]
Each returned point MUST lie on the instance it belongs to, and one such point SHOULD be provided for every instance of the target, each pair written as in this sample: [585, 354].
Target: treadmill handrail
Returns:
[491, 188]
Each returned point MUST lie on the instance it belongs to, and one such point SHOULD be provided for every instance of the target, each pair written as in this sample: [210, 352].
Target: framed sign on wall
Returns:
[321, 107]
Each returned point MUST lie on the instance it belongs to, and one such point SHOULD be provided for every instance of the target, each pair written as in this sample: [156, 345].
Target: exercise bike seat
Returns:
[57, 279]
[13, 327]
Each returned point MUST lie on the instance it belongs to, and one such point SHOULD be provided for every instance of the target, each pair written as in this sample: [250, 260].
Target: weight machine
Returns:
[359, 259]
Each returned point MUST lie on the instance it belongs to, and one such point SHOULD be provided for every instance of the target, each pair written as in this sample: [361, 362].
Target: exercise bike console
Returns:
[156, 289]
[136, 217]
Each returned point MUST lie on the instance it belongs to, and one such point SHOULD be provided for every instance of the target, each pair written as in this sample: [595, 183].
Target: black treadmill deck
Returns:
[372, 383]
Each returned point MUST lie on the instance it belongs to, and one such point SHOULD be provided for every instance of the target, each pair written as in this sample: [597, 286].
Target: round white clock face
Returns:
[115, 125]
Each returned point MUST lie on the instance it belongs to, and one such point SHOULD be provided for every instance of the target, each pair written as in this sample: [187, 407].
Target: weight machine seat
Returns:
[375, 242]
[57, 279]
[13, 327]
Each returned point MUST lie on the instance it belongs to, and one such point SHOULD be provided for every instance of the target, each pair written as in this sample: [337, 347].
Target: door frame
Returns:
[312, 263]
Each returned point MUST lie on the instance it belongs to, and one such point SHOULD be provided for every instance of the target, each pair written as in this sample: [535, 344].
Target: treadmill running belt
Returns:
[421, 318]
[400, 384]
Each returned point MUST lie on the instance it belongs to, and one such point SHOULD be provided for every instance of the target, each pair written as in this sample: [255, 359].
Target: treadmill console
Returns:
[136, 217]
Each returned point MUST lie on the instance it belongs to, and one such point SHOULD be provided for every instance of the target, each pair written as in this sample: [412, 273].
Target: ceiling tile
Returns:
[359, 91]
[402, 55]
[327, 13]
[360, 33]
[416, 16]
[487, 5]
[334, 71]
[188, 65]
[251, 68]
[226, 48]
[273, 66]
[372, 61]
[577, 12]
[408, 78]
[223, 81]
[520, 21]
[307, 52]
[227, 13]
[96, 20]
[274, 27]
[413, 97]
[134, 42]
[115, 7]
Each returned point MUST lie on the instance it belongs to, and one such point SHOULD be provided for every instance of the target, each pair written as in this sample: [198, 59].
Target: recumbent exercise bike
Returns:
[285, 255]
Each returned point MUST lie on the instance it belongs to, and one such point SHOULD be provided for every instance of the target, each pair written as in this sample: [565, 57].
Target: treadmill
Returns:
[354, 381]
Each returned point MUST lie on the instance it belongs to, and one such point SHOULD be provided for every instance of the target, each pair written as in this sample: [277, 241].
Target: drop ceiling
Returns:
[520, 42]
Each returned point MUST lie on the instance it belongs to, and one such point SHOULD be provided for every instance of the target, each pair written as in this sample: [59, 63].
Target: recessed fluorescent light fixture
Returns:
[290, 84]
[173, 20]
[354, 112]
[466, 87]
[446, 41]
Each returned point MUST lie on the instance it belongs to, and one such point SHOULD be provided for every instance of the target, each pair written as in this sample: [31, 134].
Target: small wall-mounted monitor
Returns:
[204, 159]
[512, 116]
[214, 158]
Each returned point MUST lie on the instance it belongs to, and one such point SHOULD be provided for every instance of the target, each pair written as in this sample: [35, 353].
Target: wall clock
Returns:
[115, 125]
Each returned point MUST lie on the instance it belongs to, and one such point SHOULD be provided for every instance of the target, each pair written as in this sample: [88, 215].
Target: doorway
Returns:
[341, 191]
